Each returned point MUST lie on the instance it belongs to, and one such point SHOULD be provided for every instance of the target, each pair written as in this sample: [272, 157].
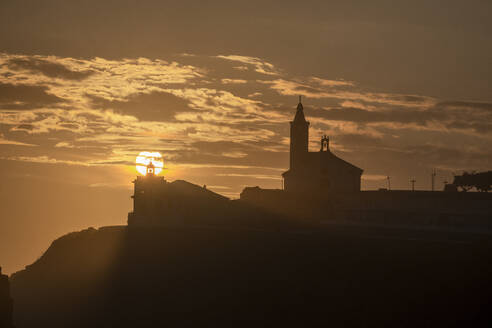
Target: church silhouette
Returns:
[316, 171]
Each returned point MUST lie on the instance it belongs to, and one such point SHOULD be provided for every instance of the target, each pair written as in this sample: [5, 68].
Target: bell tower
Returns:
[299, 138]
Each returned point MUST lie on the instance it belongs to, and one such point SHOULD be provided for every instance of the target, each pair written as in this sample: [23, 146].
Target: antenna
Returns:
[300, 99]
[433, 176]
[389, 182]
[413, 184]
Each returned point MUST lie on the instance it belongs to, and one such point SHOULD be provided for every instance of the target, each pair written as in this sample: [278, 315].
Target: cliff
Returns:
[262, 276]
[6, 304]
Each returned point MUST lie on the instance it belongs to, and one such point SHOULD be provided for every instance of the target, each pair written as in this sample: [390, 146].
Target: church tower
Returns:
[299, 138]
[316, 172]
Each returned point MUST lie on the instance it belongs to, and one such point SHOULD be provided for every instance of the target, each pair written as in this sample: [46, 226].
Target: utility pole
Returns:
[433, 176]
[413, 184]
[389, 182]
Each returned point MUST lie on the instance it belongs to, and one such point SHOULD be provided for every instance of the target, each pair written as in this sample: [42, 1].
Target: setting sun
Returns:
[145, 158]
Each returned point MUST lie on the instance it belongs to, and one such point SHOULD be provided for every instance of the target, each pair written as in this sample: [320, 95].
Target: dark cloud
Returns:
[50, 69]
[113, 163]
[70, 126]
[486, 106]
[25, 97]
[358, 115]
[226, 153]
[380, 44]
[154, 106]
[352, 140]
[479, 126]
[26, 127]
[452, 119]
[457, 157]
[410, 98]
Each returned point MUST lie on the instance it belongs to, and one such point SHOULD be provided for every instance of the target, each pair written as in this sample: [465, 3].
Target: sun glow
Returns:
[145, 158]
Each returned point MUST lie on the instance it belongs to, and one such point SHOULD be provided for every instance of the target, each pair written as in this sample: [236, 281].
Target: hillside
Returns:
[222, 276]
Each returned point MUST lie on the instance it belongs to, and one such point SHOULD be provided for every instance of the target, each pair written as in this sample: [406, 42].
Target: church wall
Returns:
[314, 179]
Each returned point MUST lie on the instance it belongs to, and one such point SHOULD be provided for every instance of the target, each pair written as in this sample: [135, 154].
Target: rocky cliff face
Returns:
[6, 303]
[237, 276]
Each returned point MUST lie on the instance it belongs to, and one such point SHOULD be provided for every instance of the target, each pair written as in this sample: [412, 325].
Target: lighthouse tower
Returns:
[147, 198]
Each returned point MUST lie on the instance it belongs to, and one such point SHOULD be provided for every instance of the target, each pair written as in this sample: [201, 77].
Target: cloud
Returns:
[202, 119]
[255, 94]
[317, 91]
[331, 83]
[467, 105]
[432, 118]
[260, 65]
[233, 81]
[251, 176]
[4, 141]
[64, 144]
[109, 79]
[154, 106]
[44, 160]
[23, 127]
[234, 154]
[21, 96]
[48, 67]
[359, 105]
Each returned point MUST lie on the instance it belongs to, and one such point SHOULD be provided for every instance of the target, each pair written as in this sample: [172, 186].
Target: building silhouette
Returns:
[318, 186]
[6, 302]
[316, 171]
[159, 202]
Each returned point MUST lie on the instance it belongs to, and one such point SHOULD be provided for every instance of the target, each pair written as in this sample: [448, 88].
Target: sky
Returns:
[401, 88]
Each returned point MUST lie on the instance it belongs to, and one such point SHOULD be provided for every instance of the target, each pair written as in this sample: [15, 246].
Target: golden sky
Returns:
[85, 86]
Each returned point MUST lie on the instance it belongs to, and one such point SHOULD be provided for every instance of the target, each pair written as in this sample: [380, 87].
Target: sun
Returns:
[145, 158]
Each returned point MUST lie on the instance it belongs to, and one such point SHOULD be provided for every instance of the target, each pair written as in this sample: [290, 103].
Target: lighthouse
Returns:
[148, 191]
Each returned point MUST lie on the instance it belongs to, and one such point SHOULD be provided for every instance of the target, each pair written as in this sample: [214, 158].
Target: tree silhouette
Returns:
[468, 180]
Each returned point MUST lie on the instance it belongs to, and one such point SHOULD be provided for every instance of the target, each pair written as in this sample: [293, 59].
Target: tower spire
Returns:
[299, 137]
[299, 117]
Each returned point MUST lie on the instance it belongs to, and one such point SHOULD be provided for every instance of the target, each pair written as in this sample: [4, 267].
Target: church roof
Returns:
[330, 156]
[313, 160]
